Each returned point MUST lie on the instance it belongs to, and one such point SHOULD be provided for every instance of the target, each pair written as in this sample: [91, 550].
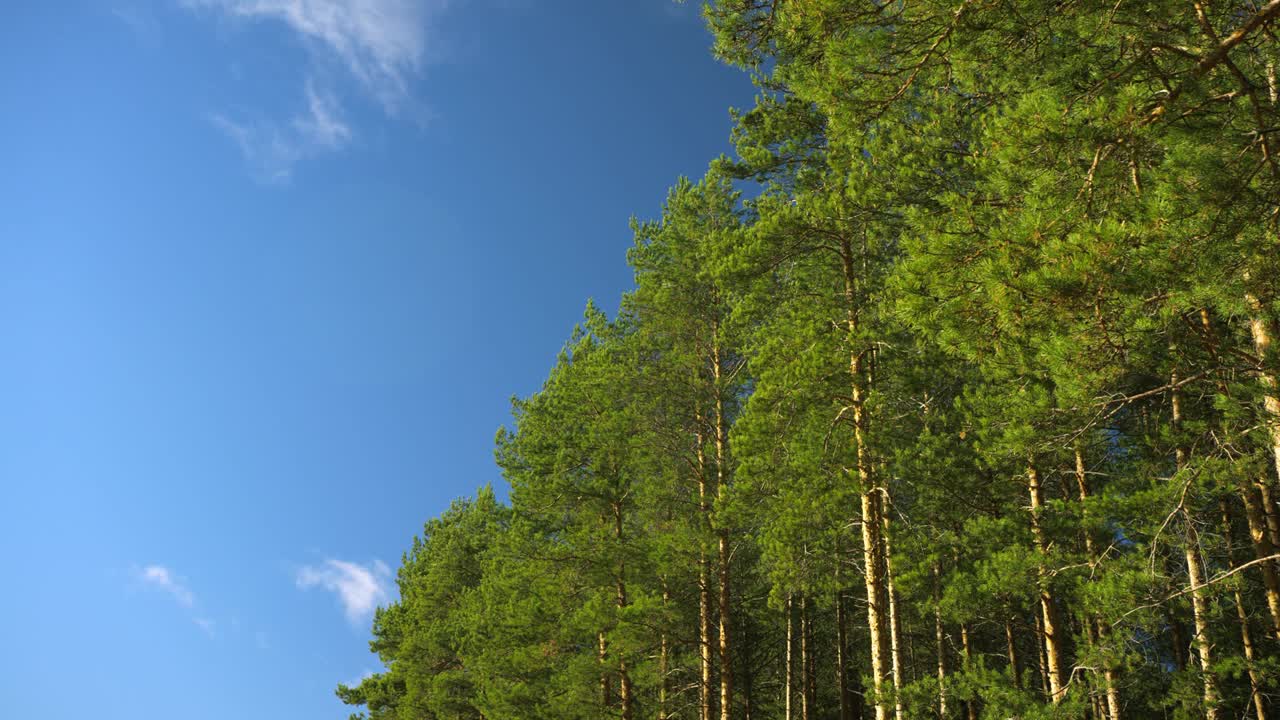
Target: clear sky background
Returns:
[270, 271]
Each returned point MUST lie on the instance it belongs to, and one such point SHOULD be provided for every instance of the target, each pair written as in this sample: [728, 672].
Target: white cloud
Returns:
[161, 577]
[361, 589]
[273, 151]
[322, 124]
[381, 42]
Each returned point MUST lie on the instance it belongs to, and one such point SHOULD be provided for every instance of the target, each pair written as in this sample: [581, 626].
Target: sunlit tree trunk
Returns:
[1261, 331]
[872, 523]
[1195, 576]
[895, 626]
[806, 661]
[722, 534]
[624, 677]
[704, 590]
[602, 655]
[1260, 539]
[970, 705]
[1097, 626]
[1053, 632]
[1242, 616]
[940, 637]
[1011, 649]
[1041, 662]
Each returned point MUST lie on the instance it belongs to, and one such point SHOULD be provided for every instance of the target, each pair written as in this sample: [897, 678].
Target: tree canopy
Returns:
[952, 393]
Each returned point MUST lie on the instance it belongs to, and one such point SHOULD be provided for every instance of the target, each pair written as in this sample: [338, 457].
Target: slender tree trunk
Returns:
[1195, 576]
[1053, 636]
[970, 705]
[806, 661]
[722, 536]
[1270, 511]
[895, 626]
[1015, 672]
[624, 686]
[704, 590]
[1242, 615]
[941, 638]
[1040, 654]
[1113, 686]
[1260, 537]
[842, 649]
[1200, 612]
[790, 664]
[624, 678]
[872, 544]
[1261, 331]
[602, 655]
[1091, 551]
[874, 586]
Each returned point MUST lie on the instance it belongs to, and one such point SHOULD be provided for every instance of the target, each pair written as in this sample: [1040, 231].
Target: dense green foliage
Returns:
[952, 394]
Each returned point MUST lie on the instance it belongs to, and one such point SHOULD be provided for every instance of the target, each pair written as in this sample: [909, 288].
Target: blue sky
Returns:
[270, 271]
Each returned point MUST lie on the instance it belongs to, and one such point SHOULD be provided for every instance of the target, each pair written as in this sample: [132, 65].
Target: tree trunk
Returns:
[602, 655]
[970, 705]
[722, 533]
[873, 553]
[1264, 538]
[1053, 636]
[1040, 655]
[1260, 536]
[875, 595]
[1195, 576]
[1011, 649]
[895, 626]
[1113, 686]
[1242, 615]
[1091, 551]
[790, 664]
[941, 637]
[1261, 331]
[1270, 511]
[704, 591]
[1200, 612]
[806, 661]
[624, 678]
[842, 649]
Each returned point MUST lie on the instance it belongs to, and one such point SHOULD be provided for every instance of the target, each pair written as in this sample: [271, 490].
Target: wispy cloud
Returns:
[322, 124]
[161, 577]
[273, 151]
[360, 589]
[381, 44]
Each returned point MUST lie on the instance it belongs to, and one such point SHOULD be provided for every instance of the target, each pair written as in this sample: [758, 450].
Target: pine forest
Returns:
[953, 392]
